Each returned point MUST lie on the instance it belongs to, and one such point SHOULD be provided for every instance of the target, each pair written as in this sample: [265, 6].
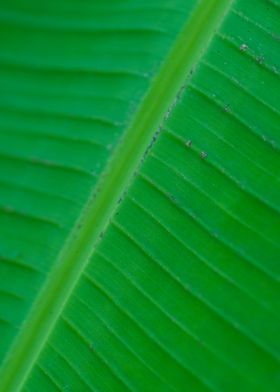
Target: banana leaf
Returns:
[139, 195]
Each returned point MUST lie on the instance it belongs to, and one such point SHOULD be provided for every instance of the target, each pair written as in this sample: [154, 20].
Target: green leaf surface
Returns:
[139, 195]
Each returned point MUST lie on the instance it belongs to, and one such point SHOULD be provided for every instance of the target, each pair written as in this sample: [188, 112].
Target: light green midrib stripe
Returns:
[190, 45]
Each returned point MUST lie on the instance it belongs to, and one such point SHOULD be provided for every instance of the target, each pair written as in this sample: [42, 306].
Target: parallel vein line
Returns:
[226, 211]
[241, 87]
[71, 366]
[206, 229]
[49, 376]
[127, 346]
[174, 320]
[255, 340]
[148, 334]
[265, 66]
[115, 375]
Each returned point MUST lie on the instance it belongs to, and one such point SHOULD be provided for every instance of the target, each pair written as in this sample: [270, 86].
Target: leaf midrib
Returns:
[191, 43]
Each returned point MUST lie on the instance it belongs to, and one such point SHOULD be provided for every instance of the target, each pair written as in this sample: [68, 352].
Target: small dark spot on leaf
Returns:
[243, 47]
[260, 59]
[172, 197]
[227, 108]
[203, 154]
